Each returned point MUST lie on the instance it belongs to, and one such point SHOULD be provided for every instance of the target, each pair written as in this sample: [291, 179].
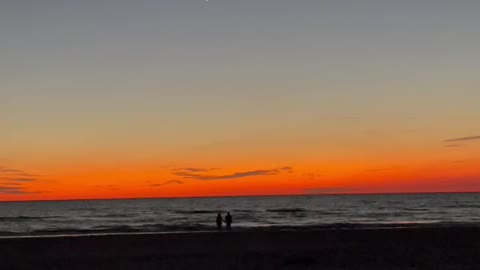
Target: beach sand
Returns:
[412, 248]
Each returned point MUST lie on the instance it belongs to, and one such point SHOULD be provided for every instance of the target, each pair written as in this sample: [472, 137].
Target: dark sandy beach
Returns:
[412, 248]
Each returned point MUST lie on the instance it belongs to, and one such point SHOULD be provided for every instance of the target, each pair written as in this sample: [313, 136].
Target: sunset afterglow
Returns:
[137, 99]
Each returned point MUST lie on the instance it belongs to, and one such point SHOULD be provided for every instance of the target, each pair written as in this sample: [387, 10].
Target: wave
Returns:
[462, 206]
[107, 216]
[176, 227]
[115, 229]
[198, 211]
[286, 210]
[243, 211]
[27, 218]
[164, 228]
[411, 209]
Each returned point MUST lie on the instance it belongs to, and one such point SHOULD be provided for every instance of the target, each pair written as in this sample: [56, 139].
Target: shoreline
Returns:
[406, 248]
[212, 229]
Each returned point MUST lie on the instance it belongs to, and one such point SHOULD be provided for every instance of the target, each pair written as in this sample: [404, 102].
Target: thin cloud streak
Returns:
[14, 190]
[177, 182]
[5, 170]
[108, 187]
[23, 180]
[236, 175]
[454, 145]
[463, 139]
[14, 182]
[194, 170]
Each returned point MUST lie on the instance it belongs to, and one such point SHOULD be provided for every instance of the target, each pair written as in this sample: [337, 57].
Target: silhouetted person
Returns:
[219, 221]
[228, 221]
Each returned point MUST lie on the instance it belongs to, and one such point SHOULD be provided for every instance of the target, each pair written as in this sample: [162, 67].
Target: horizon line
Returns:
[239, 196]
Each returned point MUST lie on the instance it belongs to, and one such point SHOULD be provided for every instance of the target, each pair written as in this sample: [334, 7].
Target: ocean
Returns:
[86, 217]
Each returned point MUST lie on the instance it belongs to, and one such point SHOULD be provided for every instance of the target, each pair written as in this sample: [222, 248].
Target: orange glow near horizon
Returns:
[148, 181]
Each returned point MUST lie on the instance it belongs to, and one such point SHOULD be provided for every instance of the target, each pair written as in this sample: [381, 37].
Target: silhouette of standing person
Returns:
[228, 221]
[219, 221]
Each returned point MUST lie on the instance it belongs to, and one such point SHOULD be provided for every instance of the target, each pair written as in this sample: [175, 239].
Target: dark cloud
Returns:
[327, 190]
[15, 181]
[177, 182]
[463, 139]
[236, 175]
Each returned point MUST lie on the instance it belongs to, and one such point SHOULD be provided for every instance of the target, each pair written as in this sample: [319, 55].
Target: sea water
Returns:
[249, 213]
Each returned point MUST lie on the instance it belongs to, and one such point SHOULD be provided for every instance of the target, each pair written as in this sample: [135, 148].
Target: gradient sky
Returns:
[109, 99]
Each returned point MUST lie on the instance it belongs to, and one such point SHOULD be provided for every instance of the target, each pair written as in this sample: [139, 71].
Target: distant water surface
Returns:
[198, 214]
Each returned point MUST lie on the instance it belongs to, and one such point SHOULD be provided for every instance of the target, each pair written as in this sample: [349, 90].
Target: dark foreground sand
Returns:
[422, 248]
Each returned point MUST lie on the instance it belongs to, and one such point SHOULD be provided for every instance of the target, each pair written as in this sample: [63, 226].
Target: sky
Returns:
[180, 98]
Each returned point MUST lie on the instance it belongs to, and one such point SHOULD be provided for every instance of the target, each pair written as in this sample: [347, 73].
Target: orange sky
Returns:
[95, 180]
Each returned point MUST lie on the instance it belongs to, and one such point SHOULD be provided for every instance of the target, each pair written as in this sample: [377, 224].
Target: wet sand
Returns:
[412, 248]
